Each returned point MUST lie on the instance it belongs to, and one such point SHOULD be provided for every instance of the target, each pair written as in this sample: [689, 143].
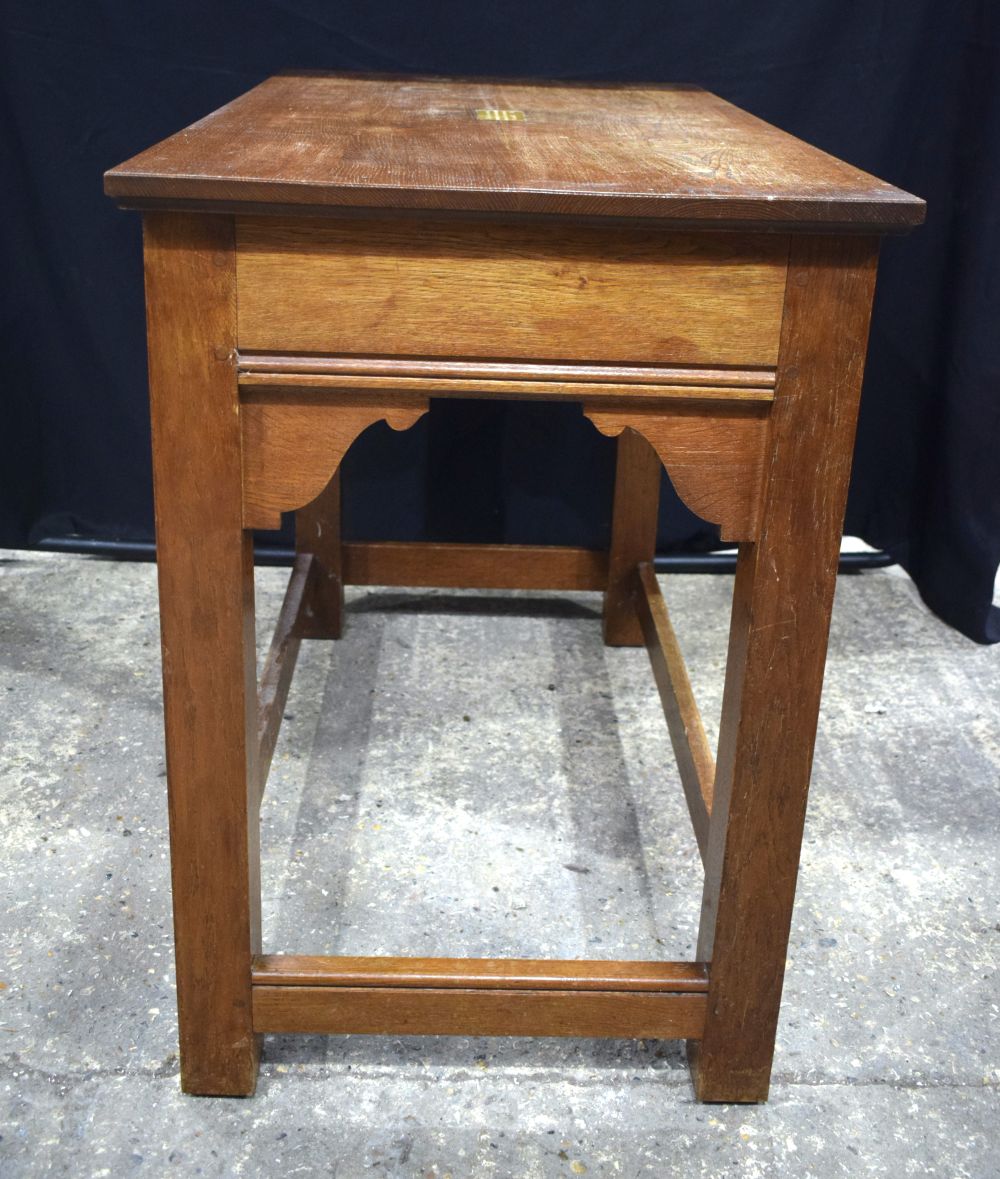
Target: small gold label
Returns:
[498, 116]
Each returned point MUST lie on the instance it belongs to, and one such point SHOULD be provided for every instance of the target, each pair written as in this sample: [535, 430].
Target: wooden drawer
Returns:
[519, 291]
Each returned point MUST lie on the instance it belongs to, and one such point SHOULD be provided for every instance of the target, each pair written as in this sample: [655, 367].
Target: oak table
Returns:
[329, 251]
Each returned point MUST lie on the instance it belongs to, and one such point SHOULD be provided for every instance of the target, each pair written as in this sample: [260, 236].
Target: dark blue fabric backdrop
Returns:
[907, 89]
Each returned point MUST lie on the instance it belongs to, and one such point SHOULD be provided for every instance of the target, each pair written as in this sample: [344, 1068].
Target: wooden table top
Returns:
[676, 154]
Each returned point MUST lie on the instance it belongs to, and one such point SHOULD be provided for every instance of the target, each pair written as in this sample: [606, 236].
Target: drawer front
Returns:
[523, 291]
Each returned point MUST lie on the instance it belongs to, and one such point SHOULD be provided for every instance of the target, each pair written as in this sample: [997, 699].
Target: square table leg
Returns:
[317, 531]
[633, 535]
[781, 614]
[205, 565]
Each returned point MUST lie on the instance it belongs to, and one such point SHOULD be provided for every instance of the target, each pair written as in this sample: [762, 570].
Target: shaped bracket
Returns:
[715, 455]
[291, 448]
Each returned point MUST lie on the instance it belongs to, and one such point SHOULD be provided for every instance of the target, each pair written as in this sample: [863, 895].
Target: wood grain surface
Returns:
[635, 511]
[205, 567]
[774, 674]
[279, 665]
[669, 152]
[695, 762]
[715, 455]
[317, 532]
[479, 973]
[295, 439]
[474, 566]
[291, 450]
[453, 1012]
[453, 385]
[536, 292]
[752, 383]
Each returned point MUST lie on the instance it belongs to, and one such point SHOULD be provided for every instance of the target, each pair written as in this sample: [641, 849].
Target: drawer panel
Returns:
[522, 291]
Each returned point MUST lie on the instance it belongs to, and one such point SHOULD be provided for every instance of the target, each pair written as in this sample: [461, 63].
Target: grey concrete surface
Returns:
[476, 774]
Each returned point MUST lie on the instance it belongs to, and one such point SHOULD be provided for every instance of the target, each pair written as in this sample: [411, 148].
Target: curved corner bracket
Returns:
[292, 449]
[715, 457]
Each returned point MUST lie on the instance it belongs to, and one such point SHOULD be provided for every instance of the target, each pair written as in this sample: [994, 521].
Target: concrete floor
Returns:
[476, 774]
